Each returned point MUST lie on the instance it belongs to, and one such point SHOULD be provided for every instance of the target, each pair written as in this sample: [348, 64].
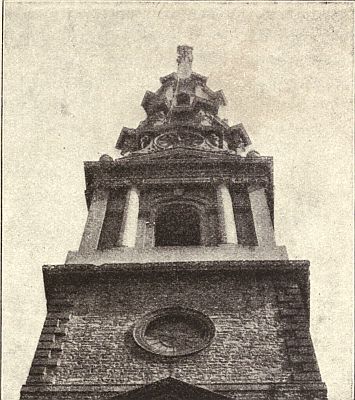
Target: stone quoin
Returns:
[178, 290]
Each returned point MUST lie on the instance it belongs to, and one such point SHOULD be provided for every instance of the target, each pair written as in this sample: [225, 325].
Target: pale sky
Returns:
[75, 74]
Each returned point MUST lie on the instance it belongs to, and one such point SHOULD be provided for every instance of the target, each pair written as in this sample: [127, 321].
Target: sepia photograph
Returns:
[177, 200]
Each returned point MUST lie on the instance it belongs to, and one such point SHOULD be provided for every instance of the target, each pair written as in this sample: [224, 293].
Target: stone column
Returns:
[129, 226]
[94, 222]
[226, 215]
[261, 215]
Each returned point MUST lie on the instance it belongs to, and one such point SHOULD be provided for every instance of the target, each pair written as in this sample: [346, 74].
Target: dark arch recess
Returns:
[178, 224]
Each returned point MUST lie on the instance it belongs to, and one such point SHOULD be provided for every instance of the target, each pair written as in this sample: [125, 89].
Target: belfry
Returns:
[178, 290]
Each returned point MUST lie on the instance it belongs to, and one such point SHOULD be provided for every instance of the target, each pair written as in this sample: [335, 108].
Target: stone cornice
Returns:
[117, 183]
[152, 169]
[205, 158]
[77, 274]
[253, 266]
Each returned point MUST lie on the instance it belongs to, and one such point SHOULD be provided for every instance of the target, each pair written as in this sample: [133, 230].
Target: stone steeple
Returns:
[178, 289]
[186, 109]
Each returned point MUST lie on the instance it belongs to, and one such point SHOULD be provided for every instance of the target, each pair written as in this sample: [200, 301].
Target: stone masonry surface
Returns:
[262, 334]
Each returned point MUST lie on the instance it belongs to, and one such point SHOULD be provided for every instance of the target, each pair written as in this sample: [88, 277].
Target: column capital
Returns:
[100, 193]
[134, 182]
[257, 185]
[250, 181]
[220, 180]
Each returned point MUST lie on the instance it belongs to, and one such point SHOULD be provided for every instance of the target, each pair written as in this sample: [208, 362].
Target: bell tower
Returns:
[178, 289]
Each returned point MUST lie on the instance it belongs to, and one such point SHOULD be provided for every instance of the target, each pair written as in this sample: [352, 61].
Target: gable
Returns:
[169, 389]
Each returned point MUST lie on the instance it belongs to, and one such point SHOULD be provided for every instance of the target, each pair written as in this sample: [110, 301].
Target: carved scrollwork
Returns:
[144, 141]
[213, 140]
[176, 139]
[203, 118]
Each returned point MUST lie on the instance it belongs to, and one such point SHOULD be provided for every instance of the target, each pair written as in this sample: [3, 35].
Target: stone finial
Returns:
[106, 158]
[184, 61]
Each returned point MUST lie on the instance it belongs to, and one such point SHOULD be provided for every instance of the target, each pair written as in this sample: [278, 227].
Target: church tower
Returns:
[178, 290]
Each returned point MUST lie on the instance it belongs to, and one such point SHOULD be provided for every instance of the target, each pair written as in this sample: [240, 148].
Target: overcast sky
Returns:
[75, 74]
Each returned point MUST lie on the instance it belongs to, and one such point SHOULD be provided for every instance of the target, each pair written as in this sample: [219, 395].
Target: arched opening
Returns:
[177, 225]
[183, 99]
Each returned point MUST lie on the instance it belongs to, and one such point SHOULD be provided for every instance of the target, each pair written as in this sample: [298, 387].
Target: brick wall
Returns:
[261, 332]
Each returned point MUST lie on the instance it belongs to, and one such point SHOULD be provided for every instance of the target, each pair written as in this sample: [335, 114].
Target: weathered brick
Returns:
[37, 370]
[49, 362]
[51, 321]
[43, 353]
[308, 367]
[287, 312]
[302, 333]
[50, 346]
[302, 358]
[61, 331]
[308, 376]
[63, 316]
[37, 379]
[292, 290]
[53, 362]
[59, 303]
[47, 337]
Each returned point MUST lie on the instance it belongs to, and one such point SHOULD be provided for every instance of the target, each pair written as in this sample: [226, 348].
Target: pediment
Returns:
[170, 389]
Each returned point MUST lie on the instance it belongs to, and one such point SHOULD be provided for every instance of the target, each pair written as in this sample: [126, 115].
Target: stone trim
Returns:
[295, 319]
[51, 343]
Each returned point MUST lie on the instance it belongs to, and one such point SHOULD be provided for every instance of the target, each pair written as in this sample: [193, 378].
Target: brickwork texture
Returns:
[262, 335]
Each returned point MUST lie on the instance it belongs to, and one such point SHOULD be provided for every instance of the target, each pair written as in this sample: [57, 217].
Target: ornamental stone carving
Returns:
[186, 105]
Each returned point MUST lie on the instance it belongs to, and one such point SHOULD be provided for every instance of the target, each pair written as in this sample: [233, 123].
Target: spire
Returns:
[184, 61]
[183, 113]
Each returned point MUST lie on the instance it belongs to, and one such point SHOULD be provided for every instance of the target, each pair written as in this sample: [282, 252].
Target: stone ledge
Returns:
[46, 362]
[152, 159]
[122, 255]
[213, 387]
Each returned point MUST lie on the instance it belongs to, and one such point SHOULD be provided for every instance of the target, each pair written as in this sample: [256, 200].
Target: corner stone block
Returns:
[261, 215]
[94, 222]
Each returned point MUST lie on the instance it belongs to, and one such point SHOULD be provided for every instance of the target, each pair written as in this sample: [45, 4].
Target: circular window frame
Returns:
[202, 320]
